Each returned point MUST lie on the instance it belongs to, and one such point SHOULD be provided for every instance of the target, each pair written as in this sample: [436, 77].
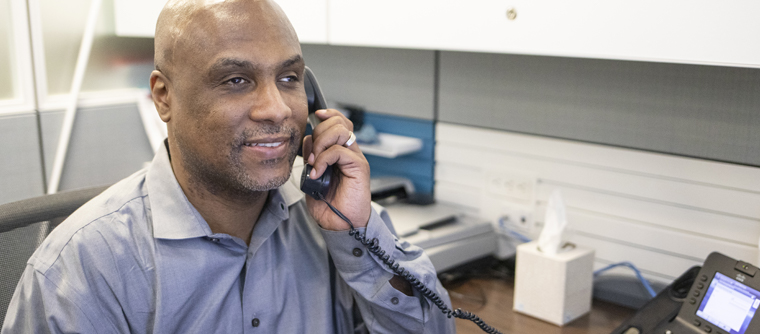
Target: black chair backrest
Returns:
[23, 226]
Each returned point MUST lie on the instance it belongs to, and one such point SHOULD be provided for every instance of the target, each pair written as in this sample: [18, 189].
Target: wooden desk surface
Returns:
[491, 300]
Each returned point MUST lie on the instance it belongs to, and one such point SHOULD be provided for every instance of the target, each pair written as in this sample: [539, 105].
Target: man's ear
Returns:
[159, 88]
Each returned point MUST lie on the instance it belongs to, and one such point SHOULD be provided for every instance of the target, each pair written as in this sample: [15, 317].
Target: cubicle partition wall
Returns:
[657, 163]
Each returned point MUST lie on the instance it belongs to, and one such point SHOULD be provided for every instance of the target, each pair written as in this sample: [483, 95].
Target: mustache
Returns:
[267, 130]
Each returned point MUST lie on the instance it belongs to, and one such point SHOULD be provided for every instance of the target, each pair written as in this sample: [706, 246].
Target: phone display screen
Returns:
[729, 304]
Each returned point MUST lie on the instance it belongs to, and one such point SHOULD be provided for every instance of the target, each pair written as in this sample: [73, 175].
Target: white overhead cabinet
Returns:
[309, 18]
[700, 32]
[137, 18]
[680, 31]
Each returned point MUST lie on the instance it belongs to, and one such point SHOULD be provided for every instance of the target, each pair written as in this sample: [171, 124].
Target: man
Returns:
[212, 238]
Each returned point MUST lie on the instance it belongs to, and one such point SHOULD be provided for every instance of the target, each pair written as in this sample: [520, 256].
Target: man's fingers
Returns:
[328, 137]
[306, 149]
[351, 164]
[333, 115]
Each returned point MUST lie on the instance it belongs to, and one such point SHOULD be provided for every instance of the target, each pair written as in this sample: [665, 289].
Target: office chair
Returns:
[23, 226]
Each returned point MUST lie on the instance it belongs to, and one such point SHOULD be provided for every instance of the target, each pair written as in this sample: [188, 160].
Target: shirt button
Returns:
[214, 239]
[357, 252]
[255, 322]
[394, 300]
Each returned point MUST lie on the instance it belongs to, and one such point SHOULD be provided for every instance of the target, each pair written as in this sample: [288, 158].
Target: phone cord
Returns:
[374, 248]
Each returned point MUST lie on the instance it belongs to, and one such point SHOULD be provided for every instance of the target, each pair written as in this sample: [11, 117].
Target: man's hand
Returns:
[349, 191]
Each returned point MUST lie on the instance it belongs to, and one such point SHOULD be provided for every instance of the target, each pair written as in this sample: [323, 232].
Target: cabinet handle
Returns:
[511, 14]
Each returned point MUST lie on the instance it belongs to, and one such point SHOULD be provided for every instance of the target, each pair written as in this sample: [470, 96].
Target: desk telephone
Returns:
[721, 297]
[319, 188]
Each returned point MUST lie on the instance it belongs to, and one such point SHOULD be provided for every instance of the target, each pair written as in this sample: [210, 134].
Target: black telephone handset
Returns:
[319, 188]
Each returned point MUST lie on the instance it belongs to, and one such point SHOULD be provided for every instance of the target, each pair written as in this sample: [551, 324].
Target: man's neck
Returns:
[235, 217]
[232, 214]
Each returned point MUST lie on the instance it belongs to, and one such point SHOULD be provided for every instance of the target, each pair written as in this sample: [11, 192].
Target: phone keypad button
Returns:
[357, 252]
[708, 329]
[696, 293]
[692, 301]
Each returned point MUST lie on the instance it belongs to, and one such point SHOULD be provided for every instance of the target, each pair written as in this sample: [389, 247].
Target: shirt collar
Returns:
[174, 217]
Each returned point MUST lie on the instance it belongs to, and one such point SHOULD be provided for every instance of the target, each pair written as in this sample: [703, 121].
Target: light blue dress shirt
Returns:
[140, 259]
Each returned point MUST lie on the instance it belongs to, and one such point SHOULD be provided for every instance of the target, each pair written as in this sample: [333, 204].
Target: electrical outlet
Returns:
[511, 184]
[517, 218]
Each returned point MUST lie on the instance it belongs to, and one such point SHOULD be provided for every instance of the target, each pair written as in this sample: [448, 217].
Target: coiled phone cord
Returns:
[374, 248]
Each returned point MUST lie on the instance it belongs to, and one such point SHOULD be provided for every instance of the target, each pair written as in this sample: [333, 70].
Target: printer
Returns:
[449, 236]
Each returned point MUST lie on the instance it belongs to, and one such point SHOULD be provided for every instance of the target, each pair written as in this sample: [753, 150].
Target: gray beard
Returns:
[233, 179]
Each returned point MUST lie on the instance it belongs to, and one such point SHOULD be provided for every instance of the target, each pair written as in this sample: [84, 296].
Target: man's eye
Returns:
[290, 78]
[236, 81]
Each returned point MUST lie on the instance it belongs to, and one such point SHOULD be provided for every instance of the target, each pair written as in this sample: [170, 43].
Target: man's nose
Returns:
[270, 105]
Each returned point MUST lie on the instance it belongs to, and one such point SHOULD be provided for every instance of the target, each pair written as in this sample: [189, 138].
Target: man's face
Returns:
[239, 103]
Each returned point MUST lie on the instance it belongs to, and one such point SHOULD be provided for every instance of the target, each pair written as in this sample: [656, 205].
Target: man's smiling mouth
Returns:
[274, 144]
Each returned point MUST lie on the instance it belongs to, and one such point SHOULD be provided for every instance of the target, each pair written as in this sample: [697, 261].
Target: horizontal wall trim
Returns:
[20, 109]
[94, 99]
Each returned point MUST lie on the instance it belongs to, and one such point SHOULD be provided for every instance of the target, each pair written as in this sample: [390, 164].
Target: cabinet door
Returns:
[137, 18]
[309, 18]
[420, 24]
[699, 31]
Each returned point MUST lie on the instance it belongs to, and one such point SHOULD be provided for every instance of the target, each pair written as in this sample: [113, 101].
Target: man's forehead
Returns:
[201, 28]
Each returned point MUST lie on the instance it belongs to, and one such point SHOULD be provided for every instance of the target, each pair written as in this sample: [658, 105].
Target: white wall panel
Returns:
[676, 243]
[696, 195]
[653, 264]
[663, 213]
[456, 193]
[688, 220]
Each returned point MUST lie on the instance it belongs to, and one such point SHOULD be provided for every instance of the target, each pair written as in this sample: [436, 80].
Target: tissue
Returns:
[552, 236]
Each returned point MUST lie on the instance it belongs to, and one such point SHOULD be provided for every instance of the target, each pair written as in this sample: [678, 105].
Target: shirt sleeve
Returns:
[383, 308]
[39, 306]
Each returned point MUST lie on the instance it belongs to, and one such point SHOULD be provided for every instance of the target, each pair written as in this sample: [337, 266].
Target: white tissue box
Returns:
[556, 289]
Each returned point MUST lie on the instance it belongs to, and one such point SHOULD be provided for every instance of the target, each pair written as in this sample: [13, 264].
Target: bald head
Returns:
[187, 25]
